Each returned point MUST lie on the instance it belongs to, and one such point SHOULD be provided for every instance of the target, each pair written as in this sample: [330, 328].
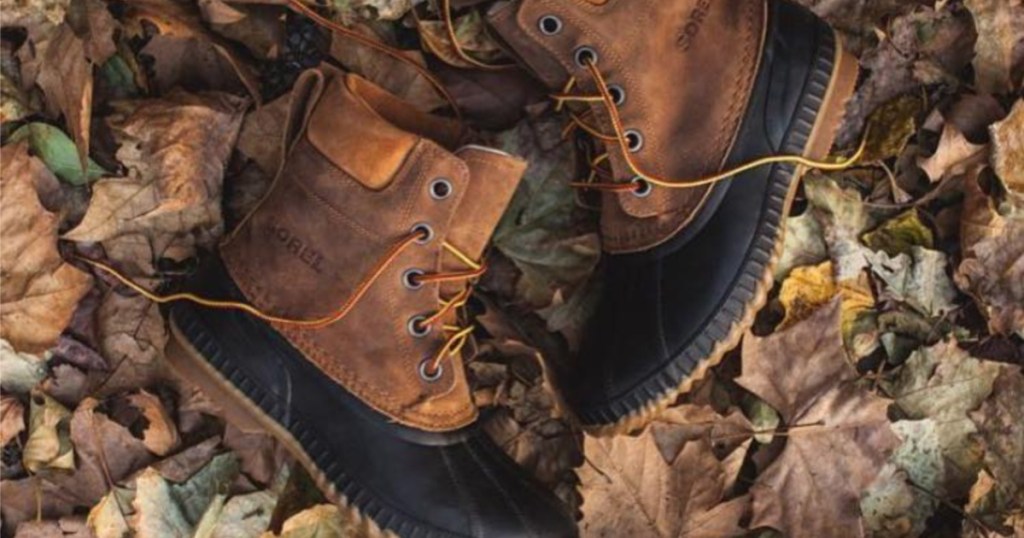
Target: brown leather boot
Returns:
[355, 268]
[675, 92]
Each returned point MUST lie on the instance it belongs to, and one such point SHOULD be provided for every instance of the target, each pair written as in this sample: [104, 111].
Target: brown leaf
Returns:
[394, 75]
[12, 418]
[992, 270]
[65, 75]
[998, 426]
[262, 135]
[180, 20]
[1000, 47]
[839, 434]
[40, 291]
[630, 490]
[954, 155]
[683, 424]
[132, 336]
[175, 150]
[160, 436]
[1008, 148]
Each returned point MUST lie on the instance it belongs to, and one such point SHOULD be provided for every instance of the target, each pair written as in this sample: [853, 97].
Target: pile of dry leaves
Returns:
[879, 394]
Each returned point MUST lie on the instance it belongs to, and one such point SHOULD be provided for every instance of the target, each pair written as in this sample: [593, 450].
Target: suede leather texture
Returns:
[687, 68]
[355, 182]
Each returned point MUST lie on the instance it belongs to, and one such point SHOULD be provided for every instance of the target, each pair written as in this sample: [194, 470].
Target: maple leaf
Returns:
[175, 149]
[630, 490]
[839, 434]
[40, 291]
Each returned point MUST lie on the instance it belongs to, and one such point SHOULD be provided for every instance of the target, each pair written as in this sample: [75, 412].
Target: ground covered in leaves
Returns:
[879, 394]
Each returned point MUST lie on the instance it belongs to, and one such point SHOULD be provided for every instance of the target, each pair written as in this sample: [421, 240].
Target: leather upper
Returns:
[687, 68]
[358, 177]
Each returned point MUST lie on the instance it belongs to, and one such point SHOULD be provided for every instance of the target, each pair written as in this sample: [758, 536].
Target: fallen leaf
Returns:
[992, 269]
[241, 515]
[803, 244]
[261, 137]
[185, 464]
[109, 517]
[919, 279]
[473, 37]
[22, 371]
[160, 435]
[321, 521]
[839, 434]
[58, 152]
[181, 20]
[944, 383]
[156, 512]
[195, 494]
[1008, 148]
[954, 155]
[900, 234]
[48, 445]
[538, 231]
[40, 290]
[388, 10]
[394, 75]
[630, 490]
[844, 218]
[1000, 47]
[12, 419]
[998, 421]
[132, 336]
[892, 125]
[175, 150]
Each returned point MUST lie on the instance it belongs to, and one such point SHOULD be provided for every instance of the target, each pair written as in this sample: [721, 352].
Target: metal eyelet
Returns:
[409, 279]
[424, 230]
[441, 188]
[643, 187]
[426, 375]
[416, 327]
[618, 94]
[549, 25]
[634, 140]
[585, 56]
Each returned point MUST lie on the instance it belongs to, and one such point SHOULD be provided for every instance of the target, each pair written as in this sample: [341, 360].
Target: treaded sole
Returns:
[188, 363]
[829, 117]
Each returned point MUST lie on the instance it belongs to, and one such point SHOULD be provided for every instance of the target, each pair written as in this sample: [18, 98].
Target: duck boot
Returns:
[332, 317]
[680, 96]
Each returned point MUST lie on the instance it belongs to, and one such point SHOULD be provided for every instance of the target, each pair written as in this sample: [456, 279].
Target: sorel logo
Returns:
[694, 22]
[295, 246]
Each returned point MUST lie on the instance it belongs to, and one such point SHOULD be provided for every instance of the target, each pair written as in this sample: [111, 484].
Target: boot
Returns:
[332, 317]
[676, 93]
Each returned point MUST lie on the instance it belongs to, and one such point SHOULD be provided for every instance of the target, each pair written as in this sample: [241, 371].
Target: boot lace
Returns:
[430, 369]
[629, 141]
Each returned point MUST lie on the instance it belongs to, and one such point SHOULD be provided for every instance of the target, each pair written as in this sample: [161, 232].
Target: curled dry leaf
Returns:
[40, 290]
[992, 270]
[48, 445]
[999, 52]
[12, 418]
[65, 75]
[839, 434]
[321, 521]
[1008, 148]
[161, 435]
[175, 150]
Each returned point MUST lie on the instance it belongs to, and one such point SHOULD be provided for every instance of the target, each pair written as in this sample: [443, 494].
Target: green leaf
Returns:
[58, 152]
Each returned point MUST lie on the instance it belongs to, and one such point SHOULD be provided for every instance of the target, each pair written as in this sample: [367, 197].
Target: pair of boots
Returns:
[332, 316]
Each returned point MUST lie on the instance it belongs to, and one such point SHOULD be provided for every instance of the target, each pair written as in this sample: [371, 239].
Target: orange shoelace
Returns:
[641, 181]
[457, 335]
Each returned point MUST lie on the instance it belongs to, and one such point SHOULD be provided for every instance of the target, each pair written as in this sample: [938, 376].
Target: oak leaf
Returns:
[40, 290]
[954, 155]
[992, 269]
[839, 434]
[175, 150]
